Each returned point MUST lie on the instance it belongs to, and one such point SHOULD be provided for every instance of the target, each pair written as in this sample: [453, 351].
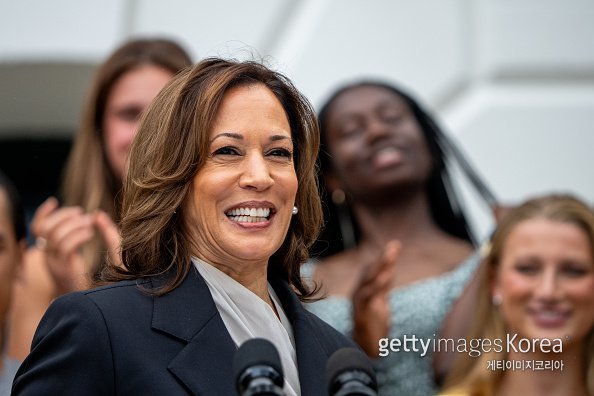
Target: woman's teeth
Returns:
[249, 215]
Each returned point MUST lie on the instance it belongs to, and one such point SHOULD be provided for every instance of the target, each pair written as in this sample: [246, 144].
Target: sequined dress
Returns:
[418, 310]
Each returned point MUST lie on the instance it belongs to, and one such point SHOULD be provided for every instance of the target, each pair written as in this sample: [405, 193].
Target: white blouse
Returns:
[247, 316]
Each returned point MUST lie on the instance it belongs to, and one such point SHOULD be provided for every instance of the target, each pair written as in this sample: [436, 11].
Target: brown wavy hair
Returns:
[89, 181]
[469, 374]
[172, 145]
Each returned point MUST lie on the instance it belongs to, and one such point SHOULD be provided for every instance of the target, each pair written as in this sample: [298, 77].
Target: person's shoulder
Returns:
[116, 295]
[121, 294]
[118, 288]
[338, 261]
[337, 274]
[86, 315]
[337, 266]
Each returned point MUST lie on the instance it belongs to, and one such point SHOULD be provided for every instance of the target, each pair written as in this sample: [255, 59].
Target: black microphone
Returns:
[257, 369]
[349, 373]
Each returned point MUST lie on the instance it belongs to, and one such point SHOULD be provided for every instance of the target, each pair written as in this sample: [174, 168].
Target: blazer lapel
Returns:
[311, 353]
[188, 312]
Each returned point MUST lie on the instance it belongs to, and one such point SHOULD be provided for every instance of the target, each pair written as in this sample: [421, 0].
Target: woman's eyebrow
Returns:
[275, 138]
[231, 135]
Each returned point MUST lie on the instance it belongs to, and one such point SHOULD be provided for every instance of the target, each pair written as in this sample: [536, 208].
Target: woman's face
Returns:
[129, 97]
[243, 196]
[11, 252]
[375, 141]
[546, 281]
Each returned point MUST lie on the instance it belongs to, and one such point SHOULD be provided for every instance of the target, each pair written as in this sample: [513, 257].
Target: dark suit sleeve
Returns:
[70, 354]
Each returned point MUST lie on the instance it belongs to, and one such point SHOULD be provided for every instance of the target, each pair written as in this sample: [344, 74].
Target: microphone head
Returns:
[349, 364]
[258, 354]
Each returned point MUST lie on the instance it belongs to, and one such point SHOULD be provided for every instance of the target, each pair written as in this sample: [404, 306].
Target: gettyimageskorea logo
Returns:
[474, 347]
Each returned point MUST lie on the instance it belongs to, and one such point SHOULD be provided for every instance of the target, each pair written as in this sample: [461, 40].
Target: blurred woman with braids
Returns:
[410, 258]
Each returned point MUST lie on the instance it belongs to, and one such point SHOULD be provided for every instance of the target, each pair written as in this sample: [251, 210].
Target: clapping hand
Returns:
[61, 233]
[371, 309]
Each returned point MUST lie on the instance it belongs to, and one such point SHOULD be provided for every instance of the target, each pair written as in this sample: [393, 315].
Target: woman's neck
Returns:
[253, 277]
[568, 380]
[406, 218]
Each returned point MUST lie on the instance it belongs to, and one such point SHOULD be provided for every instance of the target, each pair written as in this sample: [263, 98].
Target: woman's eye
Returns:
[350, 128]
[352, 132]
[281, 152]
[227, 150]
[129, 114]
[527, 269]
[575, 270]
[392, 118]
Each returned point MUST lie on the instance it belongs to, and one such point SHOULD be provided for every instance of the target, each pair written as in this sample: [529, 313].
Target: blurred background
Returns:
[511, 80]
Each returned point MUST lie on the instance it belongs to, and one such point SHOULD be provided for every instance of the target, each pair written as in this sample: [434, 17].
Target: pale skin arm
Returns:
[371, 309]
[33, 291]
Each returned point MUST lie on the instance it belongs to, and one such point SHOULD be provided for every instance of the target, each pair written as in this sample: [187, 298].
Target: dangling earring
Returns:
[496, 300]
[338, 196]
[295, 210]
[345, 223]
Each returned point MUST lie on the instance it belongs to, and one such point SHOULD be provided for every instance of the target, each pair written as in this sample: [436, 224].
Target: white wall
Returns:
[512, 80]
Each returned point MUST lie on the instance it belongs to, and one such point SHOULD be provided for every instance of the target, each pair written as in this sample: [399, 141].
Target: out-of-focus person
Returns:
[74, 240]
[409, 257]
[536, 302]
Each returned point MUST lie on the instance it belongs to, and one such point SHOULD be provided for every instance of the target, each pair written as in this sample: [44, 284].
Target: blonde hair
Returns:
[471, 374]
[172, 145]
[89, 181]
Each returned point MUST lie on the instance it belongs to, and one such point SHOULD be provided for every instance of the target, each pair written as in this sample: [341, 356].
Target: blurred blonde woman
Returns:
[75, 240]
[539, 284]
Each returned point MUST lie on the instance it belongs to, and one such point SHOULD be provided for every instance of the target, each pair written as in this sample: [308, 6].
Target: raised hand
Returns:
[61, 233]
[371, 309]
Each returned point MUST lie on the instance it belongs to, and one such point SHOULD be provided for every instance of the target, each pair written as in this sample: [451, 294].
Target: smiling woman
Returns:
[537, 294]
[211, 247]
[249, 168]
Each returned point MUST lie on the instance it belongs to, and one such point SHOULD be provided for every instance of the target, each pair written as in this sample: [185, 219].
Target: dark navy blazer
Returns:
[119, 340]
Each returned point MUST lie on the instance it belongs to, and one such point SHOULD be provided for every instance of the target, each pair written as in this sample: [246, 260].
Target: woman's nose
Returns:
[255, 173]
[548, 288]
[376, 129]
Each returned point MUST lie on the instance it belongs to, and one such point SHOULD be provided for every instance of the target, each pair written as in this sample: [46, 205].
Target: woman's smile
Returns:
[252, 214]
